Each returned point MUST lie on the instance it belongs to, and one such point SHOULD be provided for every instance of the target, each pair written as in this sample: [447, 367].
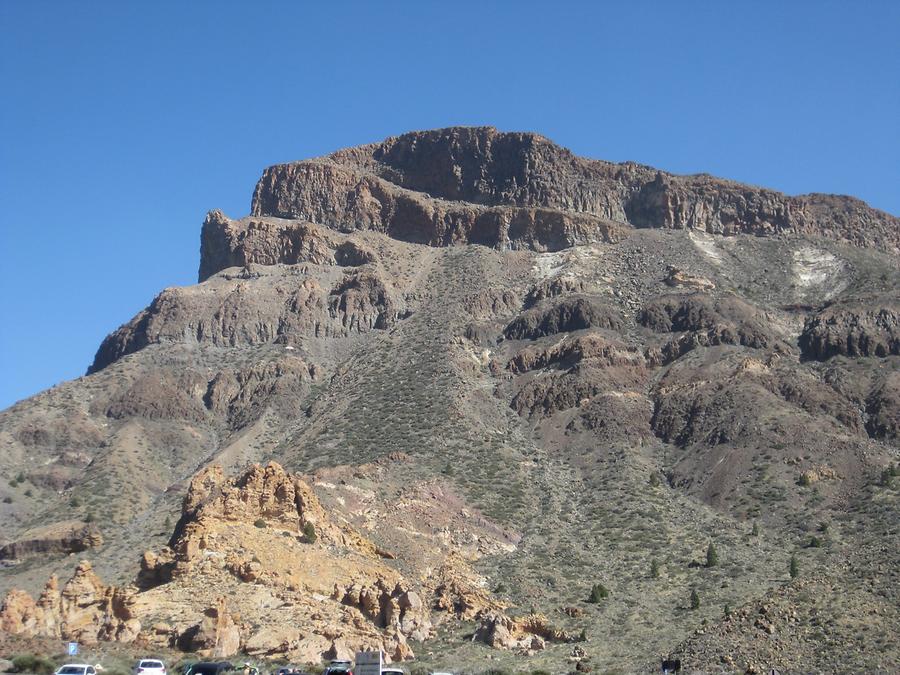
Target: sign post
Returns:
[368, 663]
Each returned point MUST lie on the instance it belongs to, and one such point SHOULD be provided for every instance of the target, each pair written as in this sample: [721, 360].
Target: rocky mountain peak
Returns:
[514, 190]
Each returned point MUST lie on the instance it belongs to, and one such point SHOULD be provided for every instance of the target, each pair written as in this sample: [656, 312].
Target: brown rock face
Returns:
[866, 327]
[528, 634]
[478, 185]
[61, 538]
[563, 317]
[85, 610]
[216, 636]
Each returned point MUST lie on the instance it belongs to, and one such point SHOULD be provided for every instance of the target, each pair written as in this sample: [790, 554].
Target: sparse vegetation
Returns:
[260, 523]
[755, 531]
[794, 567]
[599, 592]
[309, 533]
[695, 599]
[654, 568]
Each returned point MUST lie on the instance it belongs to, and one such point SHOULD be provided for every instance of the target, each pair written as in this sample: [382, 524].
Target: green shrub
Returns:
[794, 567]
[598, 592]
[726, 610]
[814, 542]
[309, 533]
[654, 479]
[260, 523]
[755, 531]
[712, 556]
[695, 599]
[654, 568]
[29, 663]
[7, 500]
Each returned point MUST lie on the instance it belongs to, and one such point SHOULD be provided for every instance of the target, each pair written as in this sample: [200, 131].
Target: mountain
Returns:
[434, 394]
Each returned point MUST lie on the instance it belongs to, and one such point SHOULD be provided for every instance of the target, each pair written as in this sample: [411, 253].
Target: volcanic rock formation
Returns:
[492, 374]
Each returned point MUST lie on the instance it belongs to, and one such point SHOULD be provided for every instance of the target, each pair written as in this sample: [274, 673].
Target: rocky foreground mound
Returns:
[500, 378]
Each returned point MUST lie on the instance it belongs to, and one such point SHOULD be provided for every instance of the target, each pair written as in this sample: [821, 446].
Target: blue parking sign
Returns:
[72, 649]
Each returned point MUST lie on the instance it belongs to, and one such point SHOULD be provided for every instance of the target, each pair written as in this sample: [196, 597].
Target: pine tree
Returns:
[712, 557]
[794, 568]
[654, 568]
[695, 599]
[309, 533]
[755, 531]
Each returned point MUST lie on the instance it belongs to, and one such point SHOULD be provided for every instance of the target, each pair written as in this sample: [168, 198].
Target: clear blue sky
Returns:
[124, 122]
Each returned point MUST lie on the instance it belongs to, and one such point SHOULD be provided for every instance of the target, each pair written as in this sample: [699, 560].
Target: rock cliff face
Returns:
[493, 375]
[478, 185]
[85, 610]
[60, 538]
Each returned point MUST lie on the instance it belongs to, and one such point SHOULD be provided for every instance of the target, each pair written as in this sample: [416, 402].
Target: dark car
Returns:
[339, 668]
[209, 668]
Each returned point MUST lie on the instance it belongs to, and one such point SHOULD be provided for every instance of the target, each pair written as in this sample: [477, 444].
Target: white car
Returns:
[149, 667]
[76, 669]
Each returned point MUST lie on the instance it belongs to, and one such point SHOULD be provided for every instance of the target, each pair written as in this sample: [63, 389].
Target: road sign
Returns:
[72, 649]
[368, 663]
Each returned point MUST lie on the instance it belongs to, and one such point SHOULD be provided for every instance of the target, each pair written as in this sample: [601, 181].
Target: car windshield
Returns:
[71, 670]
[151, 664]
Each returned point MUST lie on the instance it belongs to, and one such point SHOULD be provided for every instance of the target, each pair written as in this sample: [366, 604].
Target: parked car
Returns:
[149, 667]
[290, 670]
[392, 671]
[209, 668]
[76, 669]
[339, 668]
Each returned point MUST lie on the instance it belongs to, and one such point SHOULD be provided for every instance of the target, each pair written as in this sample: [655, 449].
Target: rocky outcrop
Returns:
[57, 539]
[564, 316]
[398, 608]
[527, 634]
[602, 350]
[356, 199]
[704, 321]
[257, 308]
[680, 278]
[85, 610]
[263, 496]
[216, 636]
[228, 243]
[868, 327]
[883, 409]
[478, 185]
